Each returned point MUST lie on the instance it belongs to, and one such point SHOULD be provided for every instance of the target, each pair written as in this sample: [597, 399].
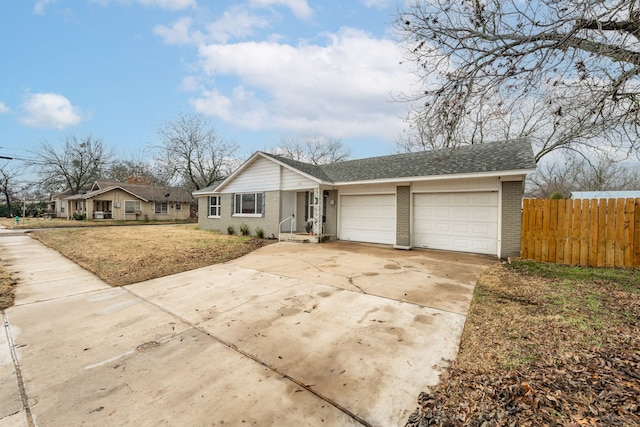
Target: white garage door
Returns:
[465, 222]
[369, 219]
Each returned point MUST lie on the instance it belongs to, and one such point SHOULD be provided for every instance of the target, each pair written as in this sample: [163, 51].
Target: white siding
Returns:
[368, 189]
[368, 218]
[291, 180]
[262, 175]
[479, 184]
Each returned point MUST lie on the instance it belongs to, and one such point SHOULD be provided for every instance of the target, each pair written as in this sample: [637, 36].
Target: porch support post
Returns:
[317, 212]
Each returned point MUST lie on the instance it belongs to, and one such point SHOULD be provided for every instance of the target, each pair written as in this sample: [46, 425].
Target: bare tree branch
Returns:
[75, 166]
[314, 149]
[191, 147]
[578, 61]
[8, 185]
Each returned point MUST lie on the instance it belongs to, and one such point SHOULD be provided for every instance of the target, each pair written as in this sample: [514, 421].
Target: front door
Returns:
[287, 209]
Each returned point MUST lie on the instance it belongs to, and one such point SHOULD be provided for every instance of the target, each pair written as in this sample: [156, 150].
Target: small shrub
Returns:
[230, 230]
[557, 195]
[244, 229]
[78, 216]
[259, 233]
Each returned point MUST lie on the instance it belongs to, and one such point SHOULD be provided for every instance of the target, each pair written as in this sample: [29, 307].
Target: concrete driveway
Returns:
[292, 334]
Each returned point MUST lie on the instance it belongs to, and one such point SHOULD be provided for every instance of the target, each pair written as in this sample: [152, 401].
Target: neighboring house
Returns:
[466, 199]
[57, 208]
[123, 201]
[605, 194]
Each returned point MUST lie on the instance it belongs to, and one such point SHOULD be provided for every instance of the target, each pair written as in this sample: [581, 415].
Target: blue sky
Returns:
[263, 70]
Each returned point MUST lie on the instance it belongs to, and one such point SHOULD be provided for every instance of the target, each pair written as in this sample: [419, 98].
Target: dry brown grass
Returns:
[37, 223]
[544, 345]
[130, 254]
[6, 289]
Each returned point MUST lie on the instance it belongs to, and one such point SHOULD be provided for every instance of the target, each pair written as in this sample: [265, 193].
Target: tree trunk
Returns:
[8, 199]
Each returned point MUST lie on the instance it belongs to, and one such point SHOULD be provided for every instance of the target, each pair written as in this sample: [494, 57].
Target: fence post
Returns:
[602, 233]
[636, 239]
[593, 233]
[611, 233]
[561, 231]
[619, 257]
[628, 232]
[524, 234]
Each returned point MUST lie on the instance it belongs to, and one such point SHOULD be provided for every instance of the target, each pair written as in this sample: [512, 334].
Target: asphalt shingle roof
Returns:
[487, 157]
[150, 193]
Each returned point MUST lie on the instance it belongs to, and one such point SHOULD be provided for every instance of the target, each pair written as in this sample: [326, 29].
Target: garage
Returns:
[368, 218]
[465, 222]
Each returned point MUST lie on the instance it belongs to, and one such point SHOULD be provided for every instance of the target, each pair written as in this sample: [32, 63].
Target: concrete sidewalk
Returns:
[228, 344]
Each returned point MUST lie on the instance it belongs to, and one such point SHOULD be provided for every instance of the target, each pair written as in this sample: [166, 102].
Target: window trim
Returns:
[161, 211]
[136, 203]
[258, 196]
[217, 206]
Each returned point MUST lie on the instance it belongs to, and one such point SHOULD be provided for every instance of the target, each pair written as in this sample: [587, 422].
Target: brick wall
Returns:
[511, 218]
[403, 216]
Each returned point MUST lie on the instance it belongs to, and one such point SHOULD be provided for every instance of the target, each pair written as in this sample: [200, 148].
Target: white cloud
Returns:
[300, 8]
[341, 89]
[235, 22]
[38, 7]
[50, 110]
[162, 4]
[377, 4]
[179, 32]
[3, 108]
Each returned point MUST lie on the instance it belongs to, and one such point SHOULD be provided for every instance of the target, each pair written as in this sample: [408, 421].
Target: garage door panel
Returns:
[466, 222]
[369, 218]
[458, 199]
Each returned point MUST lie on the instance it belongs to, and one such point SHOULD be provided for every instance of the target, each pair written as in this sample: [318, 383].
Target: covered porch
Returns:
[308, 215]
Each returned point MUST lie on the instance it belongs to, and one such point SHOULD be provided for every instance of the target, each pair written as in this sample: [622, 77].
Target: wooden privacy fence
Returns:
[588, 232]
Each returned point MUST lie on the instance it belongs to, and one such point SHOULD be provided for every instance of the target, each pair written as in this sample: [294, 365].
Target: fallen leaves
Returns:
[578, 363]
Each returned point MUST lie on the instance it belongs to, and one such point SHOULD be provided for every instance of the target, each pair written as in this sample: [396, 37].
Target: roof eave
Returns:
[207, 192]
[235, 173]
[246, 164]
[491, 174]
[291, 168]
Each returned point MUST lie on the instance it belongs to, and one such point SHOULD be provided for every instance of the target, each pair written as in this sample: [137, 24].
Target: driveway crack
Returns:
[16, 365]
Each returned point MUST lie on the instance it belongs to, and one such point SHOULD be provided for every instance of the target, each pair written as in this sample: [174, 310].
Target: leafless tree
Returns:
[197, 155]
[562, 72]
[8, 184]
[314, 149]
[578, 173]
[136, 171]
[79, 162]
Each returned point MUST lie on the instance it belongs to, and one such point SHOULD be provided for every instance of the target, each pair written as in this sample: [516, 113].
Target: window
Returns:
[161, 207]
[131, 206]
[248, 204]
[62, 209]
[178, 206]
[214, 206]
